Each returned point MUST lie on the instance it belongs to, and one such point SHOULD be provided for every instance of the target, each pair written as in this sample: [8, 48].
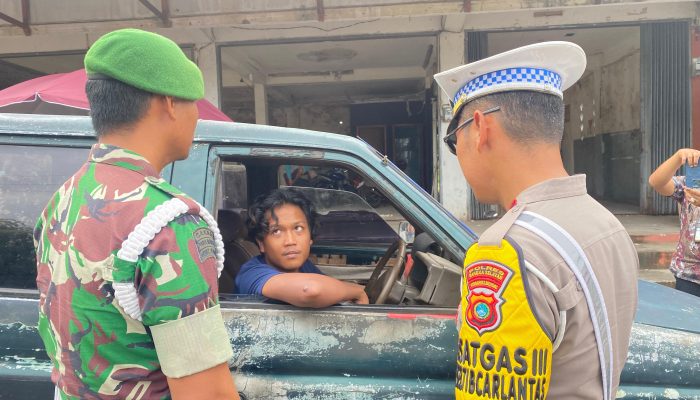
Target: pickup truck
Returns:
[406, 246]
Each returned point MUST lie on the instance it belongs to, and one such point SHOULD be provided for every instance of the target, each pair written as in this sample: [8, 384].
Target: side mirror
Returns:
[407, 232]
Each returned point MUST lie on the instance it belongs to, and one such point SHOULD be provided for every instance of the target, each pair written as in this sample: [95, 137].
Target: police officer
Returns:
[127, 263]
[550, 290]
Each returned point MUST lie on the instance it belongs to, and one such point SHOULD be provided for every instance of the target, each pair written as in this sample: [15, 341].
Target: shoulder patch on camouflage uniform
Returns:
[205, 243]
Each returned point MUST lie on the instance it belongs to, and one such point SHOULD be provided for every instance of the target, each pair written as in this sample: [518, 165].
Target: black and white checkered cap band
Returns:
[512, 79]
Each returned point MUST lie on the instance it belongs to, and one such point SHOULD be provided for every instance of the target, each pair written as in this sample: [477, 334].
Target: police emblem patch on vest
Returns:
[486, 281]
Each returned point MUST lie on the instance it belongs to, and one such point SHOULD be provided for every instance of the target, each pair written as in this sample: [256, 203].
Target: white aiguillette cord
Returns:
[125, 292]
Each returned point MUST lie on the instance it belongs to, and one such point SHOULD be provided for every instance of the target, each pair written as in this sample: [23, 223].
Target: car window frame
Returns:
[256, 302]
[399, 198]
[402, 200]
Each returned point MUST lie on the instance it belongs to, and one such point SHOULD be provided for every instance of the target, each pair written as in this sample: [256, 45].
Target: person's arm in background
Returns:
[312, 290]
[662, 178]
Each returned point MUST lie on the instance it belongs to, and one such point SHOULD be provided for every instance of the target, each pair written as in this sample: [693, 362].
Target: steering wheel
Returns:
[379, 285]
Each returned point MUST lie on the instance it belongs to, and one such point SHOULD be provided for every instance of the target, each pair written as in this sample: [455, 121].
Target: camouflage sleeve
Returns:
[177, 271]
[178, 294]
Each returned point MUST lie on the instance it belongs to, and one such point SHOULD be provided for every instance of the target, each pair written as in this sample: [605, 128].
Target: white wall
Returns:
[607, 98]
[453, 189]
[620, 102]
[605, 101]
[315, 117]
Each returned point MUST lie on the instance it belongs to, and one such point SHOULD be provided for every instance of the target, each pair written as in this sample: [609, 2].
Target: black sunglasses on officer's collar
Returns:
[451, 138]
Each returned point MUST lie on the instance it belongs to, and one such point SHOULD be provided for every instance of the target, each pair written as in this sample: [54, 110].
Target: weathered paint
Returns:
[352, 352]
[336, 388]
[351, 340]
[663, 356]
[414, 316]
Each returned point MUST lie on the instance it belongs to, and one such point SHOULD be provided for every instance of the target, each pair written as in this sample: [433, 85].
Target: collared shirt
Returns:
[98, 351]
[685, 263]
[613, 257]
[255, 273]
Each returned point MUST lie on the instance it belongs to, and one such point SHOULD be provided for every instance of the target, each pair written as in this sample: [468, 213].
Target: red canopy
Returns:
[63, 94]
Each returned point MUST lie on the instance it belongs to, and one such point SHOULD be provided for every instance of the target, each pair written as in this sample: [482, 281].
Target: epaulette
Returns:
[164, 186]
[497, 231]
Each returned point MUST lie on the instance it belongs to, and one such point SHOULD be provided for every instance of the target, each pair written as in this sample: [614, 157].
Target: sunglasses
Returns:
[451, 138]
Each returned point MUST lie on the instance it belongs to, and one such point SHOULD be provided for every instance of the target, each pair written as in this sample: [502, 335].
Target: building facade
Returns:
[364, 68]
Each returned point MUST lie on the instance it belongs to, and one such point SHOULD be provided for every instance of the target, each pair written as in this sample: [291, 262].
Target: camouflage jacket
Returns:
[98, 352]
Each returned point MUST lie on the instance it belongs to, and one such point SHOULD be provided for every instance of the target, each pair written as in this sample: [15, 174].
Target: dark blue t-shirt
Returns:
[255, 273]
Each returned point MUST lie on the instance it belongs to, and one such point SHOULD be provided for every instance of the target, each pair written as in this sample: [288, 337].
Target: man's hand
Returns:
[361, 297]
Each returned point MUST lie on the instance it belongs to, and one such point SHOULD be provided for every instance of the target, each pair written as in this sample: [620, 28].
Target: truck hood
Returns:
[667, 308]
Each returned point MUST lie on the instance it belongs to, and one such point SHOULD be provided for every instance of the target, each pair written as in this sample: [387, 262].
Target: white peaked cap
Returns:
[548, 67]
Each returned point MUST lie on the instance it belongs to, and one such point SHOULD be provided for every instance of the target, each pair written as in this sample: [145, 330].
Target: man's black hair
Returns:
[115, 105]
[258, 225]
[527, 117]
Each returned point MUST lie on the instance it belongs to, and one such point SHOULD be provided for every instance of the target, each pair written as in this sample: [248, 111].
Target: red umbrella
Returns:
[64, 94]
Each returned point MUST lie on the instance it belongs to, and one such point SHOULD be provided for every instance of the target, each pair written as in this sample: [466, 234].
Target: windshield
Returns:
[346, 217]
[327, 200]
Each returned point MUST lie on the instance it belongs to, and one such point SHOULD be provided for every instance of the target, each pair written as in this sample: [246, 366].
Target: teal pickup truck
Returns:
[404, 245]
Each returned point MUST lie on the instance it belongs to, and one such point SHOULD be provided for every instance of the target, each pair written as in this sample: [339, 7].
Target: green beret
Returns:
[147, 61]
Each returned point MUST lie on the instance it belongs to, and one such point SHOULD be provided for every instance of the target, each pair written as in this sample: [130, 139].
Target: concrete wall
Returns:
[620, 103]
[604, 102]
[87, 15]
[312, 116]
[583, 103]
[238, 103]
[582, 131]
[620, 120]
[452, 189]
[606, 99]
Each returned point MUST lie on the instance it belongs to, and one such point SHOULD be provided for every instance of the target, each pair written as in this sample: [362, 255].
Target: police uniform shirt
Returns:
[613, 257]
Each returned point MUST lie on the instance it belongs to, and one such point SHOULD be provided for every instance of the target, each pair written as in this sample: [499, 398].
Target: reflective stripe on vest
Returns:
[576, 259]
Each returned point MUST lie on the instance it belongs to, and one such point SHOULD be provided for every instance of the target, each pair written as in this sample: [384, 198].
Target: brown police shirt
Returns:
[613, 257]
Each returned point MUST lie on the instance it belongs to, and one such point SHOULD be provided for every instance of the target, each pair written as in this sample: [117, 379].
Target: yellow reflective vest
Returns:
[499, 358]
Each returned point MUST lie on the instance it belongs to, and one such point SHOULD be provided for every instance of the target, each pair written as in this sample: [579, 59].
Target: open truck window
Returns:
[361, 235]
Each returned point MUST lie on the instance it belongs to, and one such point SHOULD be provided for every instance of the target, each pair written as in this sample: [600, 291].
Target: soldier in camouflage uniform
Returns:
[126, 263]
